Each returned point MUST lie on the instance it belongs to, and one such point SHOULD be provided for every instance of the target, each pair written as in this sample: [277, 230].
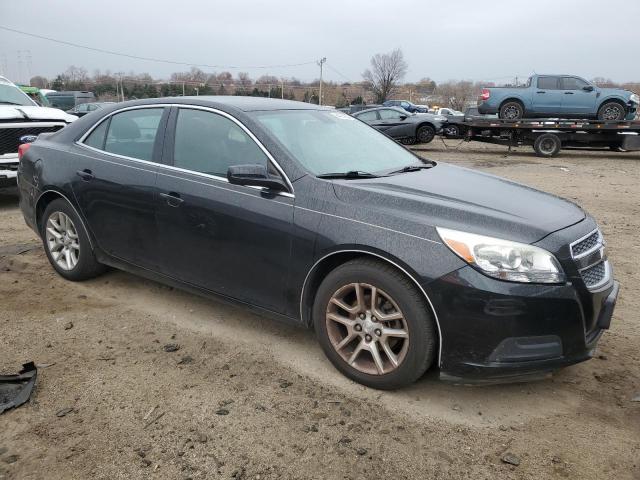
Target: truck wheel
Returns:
[452, 131]
[547, 145]
[425, 134]
[511, 111]
[611, 112]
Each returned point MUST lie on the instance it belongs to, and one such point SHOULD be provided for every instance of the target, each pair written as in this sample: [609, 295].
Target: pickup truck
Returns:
[21, 117]
[563, 96]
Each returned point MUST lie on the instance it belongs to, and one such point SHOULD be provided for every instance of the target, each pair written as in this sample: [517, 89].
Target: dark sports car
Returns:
[408, 128]
[307, 215]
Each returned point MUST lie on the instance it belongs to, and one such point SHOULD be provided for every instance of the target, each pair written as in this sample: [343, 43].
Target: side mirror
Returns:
[403, 117]
[254, 175]
[588, 88]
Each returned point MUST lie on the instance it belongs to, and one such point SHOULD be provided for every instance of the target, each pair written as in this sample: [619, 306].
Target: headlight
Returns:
[634, 98]
[503, 259]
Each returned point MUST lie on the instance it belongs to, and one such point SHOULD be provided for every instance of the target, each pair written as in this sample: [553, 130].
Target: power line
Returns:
[150, 59]
[339, 73]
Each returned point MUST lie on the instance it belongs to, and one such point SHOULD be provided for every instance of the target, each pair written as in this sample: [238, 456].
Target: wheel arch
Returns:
[512, 99]
[615, 99]
[48, 196]
[331, 260]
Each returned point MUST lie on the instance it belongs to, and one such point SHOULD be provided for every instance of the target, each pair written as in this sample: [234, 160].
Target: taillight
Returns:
[485, 94]
[22, 149]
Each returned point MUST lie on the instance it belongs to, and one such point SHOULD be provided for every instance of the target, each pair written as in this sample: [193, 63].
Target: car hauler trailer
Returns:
[549, 136]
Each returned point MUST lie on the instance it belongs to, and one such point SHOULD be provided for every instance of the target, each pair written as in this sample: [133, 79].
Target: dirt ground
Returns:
[245, 397]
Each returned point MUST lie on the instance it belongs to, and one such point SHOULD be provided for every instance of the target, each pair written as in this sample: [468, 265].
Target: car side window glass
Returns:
[210, 143]
[368, 116]
[389, 114]
[96, 138]
[573, 83]
[133, 133]
[548, 83]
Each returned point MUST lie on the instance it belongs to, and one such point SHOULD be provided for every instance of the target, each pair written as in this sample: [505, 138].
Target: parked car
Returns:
[407, 128]
[20, 116]
[564, 96]
[66, 100]
[82, 109]
[406, 105]
[351, 109]
[454, 127]
[303, 213]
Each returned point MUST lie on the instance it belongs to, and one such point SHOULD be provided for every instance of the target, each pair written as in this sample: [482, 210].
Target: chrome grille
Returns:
[586, 245]
[594, 275]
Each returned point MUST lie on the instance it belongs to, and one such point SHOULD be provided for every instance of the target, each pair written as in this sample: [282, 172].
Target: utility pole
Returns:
[320, 63]
[183, 88]
[282, 88]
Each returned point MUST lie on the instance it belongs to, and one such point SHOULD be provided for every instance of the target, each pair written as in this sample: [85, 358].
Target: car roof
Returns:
[397, 109]
[245, 104]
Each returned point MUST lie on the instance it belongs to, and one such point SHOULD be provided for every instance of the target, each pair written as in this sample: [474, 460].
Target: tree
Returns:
[387, 69]
[38, 82]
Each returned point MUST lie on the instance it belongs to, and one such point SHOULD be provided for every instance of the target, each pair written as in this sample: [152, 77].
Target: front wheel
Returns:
[374, 325]
[425, 134]
[66, 242]
[612, 112]
[451, 131]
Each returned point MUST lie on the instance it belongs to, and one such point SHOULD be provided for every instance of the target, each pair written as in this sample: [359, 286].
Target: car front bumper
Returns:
[495, 331]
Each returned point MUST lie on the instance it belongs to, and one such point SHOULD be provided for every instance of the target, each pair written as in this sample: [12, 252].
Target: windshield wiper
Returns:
[412, 168]
[349, 174]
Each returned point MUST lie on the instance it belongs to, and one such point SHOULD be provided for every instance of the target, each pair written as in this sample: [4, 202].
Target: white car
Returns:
[19, 117]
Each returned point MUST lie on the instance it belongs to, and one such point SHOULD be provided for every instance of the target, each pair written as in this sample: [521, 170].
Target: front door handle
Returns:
[173, 199]
[85, 174]
[541, 91]
[568, 93]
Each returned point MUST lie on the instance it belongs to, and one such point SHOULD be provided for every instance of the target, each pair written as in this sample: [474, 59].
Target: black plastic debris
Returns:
[16, 389]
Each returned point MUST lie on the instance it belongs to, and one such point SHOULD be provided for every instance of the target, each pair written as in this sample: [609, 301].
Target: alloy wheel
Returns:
[62, 240]
[612, 112]
[367, 328]
[511, 112]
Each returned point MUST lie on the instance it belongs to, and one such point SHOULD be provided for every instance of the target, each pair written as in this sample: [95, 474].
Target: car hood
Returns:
[616, 92]
[461, 199]
[34, 113]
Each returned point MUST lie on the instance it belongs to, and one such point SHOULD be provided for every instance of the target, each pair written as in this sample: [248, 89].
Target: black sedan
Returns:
[407, 128]
[307, 215]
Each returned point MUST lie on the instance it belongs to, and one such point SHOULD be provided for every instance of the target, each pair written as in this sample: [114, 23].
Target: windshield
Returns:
[12, 95]
[328, 142]
[63, 102]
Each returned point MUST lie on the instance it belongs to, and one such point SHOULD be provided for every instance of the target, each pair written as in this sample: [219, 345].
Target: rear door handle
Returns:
[541, 91]
[173, 199]
[85, 174]
[568, 93]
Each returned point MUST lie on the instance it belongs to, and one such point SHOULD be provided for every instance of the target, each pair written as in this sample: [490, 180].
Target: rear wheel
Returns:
[612, 111]
[452, 131]
[374, 325]
[66, 242]
[425, 134]
[511, 111]
[547, 145]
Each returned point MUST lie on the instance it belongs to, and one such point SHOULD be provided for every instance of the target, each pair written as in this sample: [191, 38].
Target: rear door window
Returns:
[548, 83]
[368, 116]
[133, 133]
[573, 83]
[390, 114]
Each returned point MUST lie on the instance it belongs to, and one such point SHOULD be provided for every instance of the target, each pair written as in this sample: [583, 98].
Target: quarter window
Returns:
[209, 143]
[96, 138]
[133, 133]
[548, 83]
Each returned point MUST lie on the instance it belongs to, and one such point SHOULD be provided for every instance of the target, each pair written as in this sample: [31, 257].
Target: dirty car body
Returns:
[270, 247]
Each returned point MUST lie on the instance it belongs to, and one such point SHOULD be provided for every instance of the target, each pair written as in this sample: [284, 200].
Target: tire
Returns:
[547, 145]
[399, 296]
[452, 131]
[407, 141]
[612, 112]
[425, 134]
[511, 111]
[66, 243]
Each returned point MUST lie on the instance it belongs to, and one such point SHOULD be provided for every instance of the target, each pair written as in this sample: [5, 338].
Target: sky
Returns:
[443, 40]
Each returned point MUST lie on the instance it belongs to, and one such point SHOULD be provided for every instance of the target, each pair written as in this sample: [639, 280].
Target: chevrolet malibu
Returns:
[307, 215]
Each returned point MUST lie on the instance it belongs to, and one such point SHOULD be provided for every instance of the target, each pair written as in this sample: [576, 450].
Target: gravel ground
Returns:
[243, 397]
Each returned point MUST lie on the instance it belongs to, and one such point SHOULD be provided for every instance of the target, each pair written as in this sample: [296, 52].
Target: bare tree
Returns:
[387, 69]
[458, 94]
